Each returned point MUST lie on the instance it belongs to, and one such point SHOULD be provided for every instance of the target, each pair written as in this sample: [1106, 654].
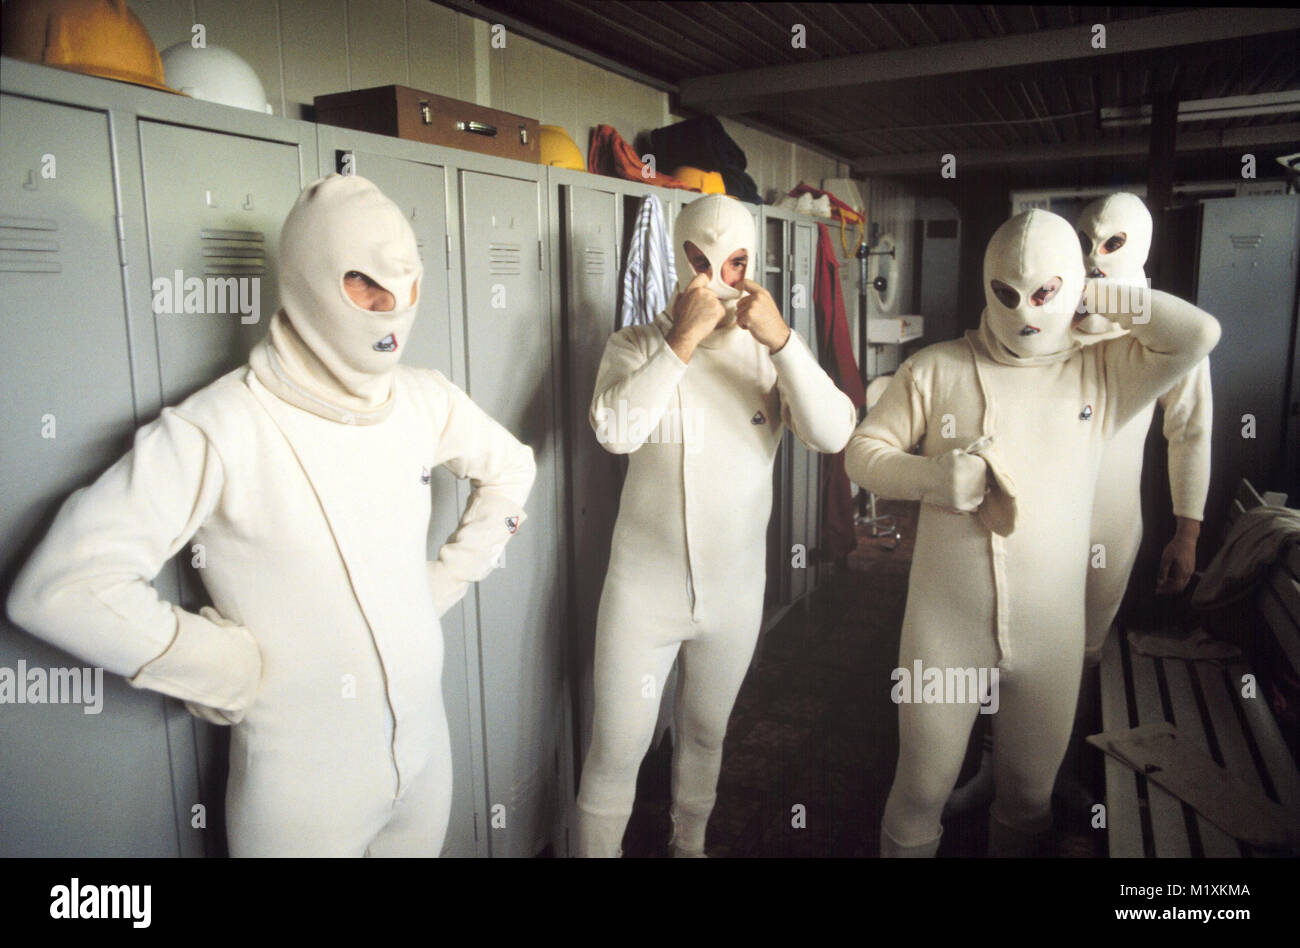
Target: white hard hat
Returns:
[214, 74]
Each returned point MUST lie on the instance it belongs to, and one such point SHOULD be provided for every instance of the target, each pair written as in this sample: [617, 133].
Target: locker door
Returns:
[510, 374]
[780, 529]
[591, 292]
[804, 240]
[1247, 279]
[215, 205]
[71, 783]
[799, 315]
[420, 190]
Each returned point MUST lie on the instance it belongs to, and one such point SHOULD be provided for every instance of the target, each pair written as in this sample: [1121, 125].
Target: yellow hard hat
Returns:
[97, 37]
[710, 182]
[558, 148]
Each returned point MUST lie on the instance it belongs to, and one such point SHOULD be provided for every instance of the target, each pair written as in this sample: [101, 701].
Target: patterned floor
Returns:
[814, 728]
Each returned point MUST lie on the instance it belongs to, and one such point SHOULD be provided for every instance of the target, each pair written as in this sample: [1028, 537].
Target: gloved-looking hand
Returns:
[959, 481]
[225, 718]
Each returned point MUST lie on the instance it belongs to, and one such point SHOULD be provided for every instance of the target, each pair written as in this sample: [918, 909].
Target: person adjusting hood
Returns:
[715, 234]
[349, 284]
[1007, 592]
[699, 400]
[1033, 281]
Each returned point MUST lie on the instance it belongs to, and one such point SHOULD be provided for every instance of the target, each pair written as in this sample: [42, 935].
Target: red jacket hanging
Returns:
[839, 535]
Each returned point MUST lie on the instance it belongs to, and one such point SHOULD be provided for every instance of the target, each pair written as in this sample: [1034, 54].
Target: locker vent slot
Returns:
[1246, 241]
[505, 259]
[233, 253]
[593, 260]
[26, 245]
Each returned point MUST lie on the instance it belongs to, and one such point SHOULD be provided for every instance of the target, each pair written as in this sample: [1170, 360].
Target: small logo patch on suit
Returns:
[1086, 414]
[758, 419]
[426, 475]
[387, 344]
[512, 524]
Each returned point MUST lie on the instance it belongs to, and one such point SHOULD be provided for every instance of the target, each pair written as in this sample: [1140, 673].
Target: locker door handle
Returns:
[478, 128]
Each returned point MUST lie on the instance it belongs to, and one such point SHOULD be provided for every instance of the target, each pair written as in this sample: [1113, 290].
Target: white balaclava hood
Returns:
[1033, 253]
[1122, 219]
[719, 226]
[324, 342]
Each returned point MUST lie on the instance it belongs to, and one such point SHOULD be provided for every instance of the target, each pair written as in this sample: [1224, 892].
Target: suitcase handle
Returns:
[478, 128]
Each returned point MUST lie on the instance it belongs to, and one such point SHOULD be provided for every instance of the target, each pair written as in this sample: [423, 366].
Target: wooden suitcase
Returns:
[433, 119]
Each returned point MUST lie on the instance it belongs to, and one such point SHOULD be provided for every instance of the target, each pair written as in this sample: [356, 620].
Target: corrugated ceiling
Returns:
[1005, 115]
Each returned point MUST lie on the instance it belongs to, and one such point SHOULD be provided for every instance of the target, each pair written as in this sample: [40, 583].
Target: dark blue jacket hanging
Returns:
[703, 143]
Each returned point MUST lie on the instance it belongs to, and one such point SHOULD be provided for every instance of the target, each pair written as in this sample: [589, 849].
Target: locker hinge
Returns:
[539, 255]
[789, 263]
[121, 239]
[476, 826]
[446, 238]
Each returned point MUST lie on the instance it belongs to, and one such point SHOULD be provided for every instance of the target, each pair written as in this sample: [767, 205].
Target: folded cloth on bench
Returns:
[1198, 646]
[1160, 754]
[1254, 543]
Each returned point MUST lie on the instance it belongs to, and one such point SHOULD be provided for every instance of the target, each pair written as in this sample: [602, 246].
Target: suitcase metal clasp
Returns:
[478, 128]
[425, 114]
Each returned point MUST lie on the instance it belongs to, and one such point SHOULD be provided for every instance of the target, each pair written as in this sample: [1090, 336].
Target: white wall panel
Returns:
[250, 28]
[314, 34]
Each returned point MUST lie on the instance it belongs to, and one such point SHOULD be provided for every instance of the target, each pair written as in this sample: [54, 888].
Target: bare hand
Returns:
[696, 314]
[1177, 564]
[758, 313]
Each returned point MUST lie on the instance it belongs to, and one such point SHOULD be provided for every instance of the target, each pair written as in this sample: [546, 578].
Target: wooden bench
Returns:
[1204, 701]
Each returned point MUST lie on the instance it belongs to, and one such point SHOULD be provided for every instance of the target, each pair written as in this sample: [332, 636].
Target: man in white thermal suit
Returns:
[1011, 421]
[1115, 234]
[699, 400]
[305, 476]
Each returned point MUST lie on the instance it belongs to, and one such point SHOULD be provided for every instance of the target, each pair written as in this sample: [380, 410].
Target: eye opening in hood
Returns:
[1008, 296]
[697, 258]
[1044, 293]
[366, 293]
[1113, 243]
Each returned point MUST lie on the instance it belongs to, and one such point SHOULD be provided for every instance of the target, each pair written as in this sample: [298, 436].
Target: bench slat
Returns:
[1123, 818]
[1280, 622]
[1277, 757]
[1247, 496]
[1227, 729]
[1187, 718]
[1166, 809]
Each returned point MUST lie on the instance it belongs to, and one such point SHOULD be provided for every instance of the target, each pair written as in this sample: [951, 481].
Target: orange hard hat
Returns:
[558, 149]
[710, 182]
[96, 37]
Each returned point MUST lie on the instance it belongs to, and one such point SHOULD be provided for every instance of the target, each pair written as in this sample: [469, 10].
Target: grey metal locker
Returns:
[1249, 251]
[420, 189]
[807, 463]
[215, 205]
[66, 360]
[592, 240]
[774, 273]
[510, 373]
